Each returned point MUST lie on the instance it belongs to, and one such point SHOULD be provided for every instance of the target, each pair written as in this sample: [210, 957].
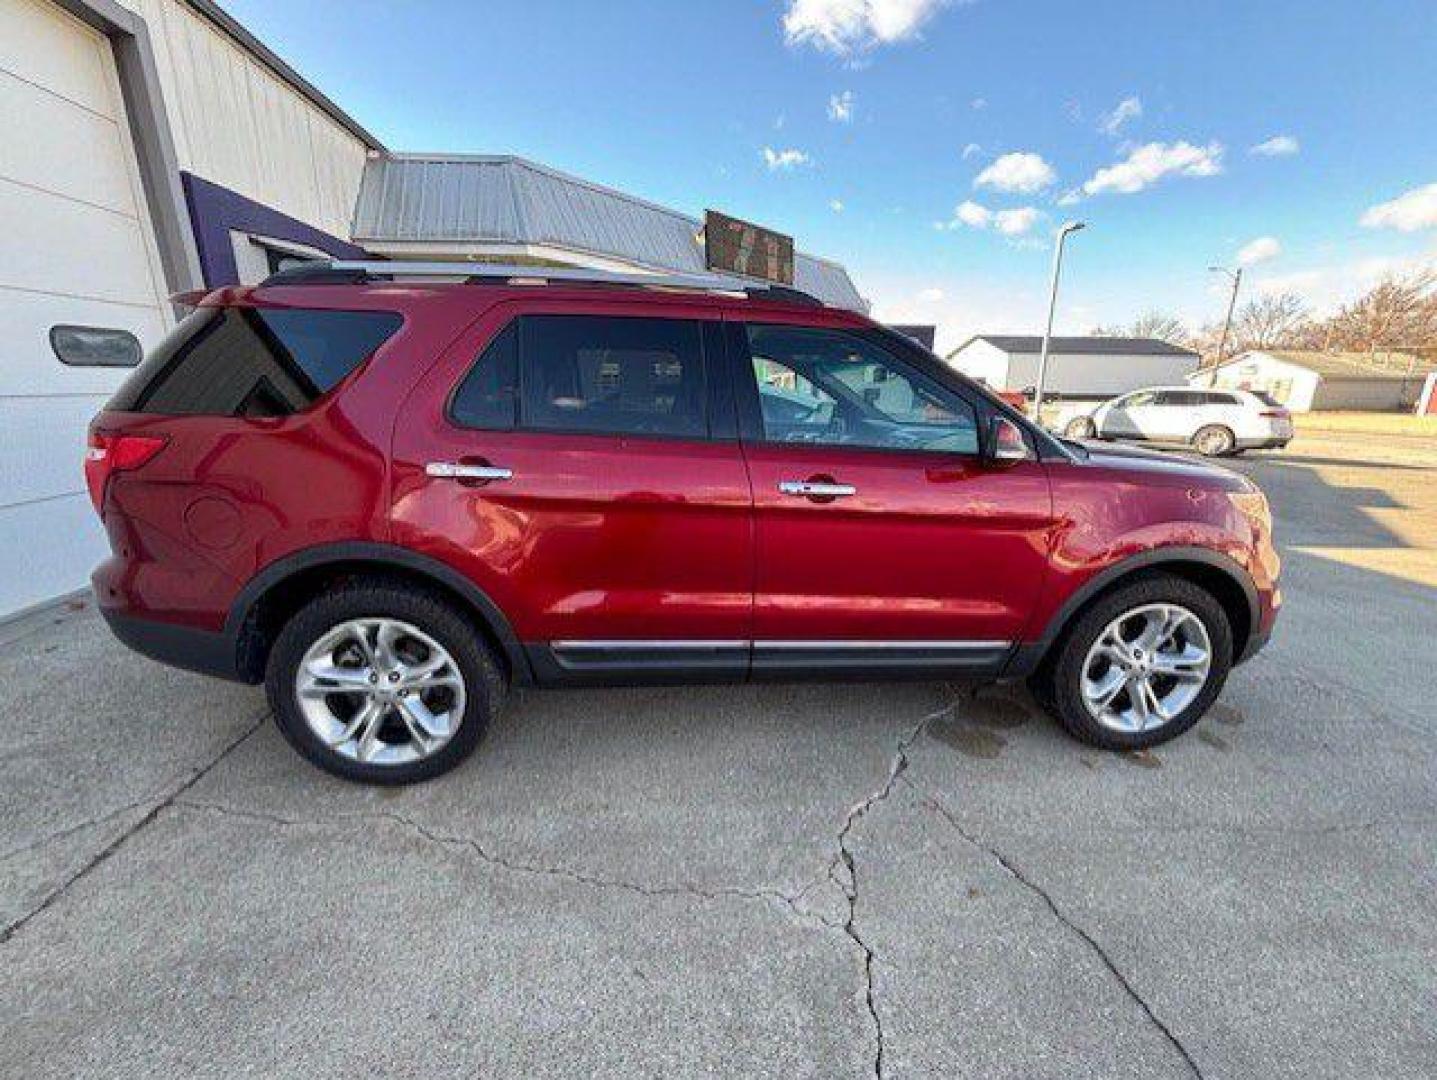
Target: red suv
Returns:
[391, 496]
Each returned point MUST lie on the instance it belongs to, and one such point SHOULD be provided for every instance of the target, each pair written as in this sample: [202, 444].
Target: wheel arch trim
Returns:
[246, 604]
[1029, 654]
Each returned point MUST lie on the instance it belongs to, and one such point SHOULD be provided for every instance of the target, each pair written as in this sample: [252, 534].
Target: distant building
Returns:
[1308, 381]
[924, 335]
[1078, 367]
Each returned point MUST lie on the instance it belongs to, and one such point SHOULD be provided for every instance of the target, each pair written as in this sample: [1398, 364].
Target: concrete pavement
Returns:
[785, 881]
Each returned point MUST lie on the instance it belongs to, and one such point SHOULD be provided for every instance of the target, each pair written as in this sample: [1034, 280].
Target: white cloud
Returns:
[1018, 171]
[844, 27]
[979, 104]
[1277, 146]
[1130, 108]
[931, 295]
[1259, 250]
[1071, 197]
[972, 214]
[1149, 163]
[1409, 212]
[1016, 222]
[836, 205]
[784, 160]
[971, 150]
[840, 107]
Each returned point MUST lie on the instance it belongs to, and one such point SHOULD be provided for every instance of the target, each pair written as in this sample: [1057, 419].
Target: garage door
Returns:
[75, 247]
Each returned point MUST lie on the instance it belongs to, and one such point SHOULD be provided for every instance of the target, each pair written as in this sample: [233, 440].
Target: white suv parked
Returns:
[1213, 422]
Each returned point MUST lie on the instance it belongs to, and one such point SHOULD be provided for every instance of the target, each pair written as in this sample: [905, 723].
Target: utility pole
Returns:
[1068, 227]
[1236, 276]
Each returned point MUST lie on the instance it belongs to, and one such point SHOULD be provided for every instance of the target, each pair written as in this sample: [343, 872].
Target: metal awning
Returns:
[433, 200]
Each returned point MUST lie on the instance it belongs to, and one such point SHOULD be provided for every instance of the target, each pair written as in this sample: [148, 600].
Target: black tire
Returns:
[484, 683]
[1214, 440]
[1058, 682]
[1081, 427]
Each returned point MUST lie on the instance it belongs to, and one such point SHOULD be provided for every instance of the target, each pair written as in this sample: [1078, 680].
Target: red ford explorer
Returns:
[391, 496]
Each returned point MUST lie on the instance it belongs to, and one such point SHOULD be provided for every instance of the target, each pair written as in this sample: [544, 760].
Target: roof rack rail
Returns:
[350, 272]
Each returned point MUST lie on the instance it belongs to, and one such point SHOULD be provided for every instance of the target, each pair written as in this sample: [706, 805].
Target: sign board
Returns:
[739, 247]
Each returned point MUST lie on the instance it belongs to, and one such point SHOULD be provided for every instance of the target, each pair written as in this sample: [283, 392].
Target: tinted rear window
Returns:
[252, 361]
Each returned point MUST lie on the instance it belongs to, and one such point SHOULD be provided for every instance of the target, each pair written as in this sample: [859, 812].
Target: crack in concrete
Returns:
[503, 862]
[848, 881]
[100, 857]
[1017, 874]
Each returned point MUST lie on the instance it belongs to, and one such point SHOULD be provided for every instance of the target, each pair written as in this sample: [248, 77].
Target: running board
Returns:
[633, 662]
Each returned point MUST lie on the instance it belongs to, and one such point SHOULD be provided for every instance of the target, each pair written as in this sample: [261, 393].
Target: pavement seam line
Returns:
[1017, 874]
[103, 855]
[848, 883]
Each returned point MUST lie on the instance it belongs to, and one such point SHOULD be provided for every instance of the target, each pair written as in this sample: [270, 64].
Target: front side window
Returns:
[242, 361]
[612, 375]
[832, 387]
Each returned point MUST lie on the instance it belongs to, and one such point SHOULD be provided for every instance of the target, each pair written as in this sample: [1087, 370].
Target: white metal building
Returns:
[1307, 381]
[109, 113]
[1090, 368]
[150, 147]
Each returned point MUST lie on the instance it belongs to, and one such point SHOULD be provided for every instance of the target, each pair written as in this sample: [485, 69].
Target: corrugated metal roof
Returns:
[482, 199]
[1085, 346]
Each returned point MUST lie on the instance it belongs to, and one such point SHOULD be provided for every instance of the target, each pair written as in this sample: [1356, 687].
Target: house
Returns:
[154, 147]
[1311, 380]
[1091, 368]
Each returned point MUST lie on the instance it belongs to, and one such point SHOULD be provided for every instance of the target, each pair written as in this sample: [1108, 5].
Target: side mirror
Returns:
[1006, 442]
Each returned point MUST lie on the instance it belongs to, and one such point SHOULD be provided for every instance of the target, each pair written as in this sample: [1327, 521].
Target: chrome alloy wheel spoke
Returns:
[1146, 667]
[380, 691]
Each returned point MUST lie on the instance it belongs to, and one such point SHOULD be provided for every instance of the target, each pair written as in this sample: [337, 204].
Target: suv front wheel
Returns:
[382, 683]
[1141, 666]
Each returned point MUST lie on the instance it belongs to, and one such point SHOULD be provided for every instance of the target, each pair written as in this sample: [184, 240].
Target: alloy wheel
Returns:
[1146, 667]
[380, 691]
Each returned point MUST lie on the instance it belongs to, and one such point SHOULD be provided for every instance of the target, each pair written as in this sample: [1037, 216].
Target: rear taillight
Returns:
[109, 454]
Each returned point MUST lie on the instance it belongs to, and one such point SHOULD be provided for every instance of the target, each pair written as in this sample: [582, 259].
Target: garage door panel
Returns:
[57, 245]
[41, 456]
[28, 365]
[50, 144]
[43, 45]
[73, 542]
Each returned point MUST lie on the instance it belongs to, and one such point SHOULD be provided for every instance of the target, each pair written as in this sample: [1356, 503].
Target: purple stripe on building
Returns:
[215, 211]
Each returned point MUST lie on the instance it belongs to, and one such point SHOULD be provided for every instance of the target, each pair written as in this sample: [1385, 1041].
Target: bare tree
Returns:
[1153, 324]
[1400, 310]
[1270, 321]
[1156, 324]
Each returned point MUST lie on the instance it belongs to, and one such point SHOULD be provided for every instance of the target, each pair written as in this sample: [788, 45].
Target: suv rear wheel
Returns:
[1141, 666]
[1214, 440]
[382, 683]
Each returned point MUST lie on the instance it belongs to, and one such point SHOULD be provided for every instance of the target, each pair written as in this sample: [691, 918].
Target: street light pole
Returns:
[1236, 276]
[1068, 227]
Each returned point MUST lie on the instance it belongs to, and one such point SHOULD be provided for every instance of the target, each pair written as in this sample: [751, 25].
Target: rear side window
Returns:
[488, 397]
[589, 374]
[253, 361]
[608, 375]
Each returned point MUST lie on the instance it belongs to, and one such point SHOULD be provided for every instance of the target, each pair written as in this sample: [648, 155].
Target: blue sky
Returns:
[933, 147]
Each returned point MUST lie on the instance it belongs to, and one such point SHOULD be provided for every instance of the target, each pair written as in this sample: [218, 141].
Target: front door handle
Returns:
[816, 489]
[454, 470]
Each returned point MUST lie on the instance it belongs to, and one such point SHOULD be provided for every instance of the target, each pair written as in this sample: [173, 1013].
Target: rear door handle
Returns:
[816, 489]
[453, 470]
